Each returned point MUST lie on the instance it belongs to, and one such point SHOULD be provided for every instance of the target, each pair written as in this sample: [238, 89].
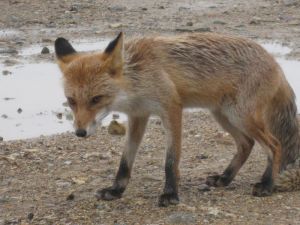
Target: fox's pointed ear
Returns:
[64, 50]
[114, 52]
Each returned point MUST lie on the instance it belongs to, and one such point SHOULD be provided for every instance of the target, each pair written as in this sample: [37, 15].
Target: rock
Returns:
[213, 211]
[144, 8]
[70, 197]
[1, 138]
[4, 116]
[115, 116]
[30, 216]
[290, 2]
[182, 8]
[6, 72]
[74, 8]
[68, 162]
[59, 116]
[116, 128]
[182, 218]
[203, 29]
[189, 24]
[161, 7]
[117, 8]
[79, 180]
[255, 20]
[63, 184]
[115, 25]
[19, 110]
[8, 99]
[204, 187]
[45, 50]
[220, 22]
[202, 156]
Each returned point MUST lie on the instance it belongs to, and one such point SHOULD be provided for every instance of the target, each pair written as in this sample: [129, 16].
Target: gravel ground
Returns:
[52, 180]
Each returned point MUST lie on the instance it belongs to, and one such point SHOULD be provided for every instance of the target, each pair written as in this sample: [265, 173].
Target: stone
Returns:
[6, 72]
[115, 25]
[117, 8]
[59, 116]
[45, 50]
[30, 216]
[70, 197]
[116, 128]
[19, 110]
[204, 188]
[182, 218]
[220, 22]
[189, 23]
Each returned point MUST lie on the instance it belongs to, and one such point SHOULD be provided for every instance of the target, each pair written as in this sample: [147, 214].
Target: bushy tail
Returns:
[284, 126]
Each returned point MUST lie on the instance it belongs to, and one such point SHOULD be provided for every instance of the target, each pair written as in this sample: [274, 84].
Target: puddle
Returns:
[31, 97]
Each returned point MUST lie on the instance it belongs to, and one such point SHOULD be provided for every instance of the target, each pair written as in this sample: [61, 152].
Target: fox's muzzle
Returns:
[81, 133]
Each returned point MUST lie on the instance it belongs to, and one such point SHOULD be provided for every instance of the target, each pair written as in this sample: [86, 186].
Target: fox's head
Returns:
[91, 81]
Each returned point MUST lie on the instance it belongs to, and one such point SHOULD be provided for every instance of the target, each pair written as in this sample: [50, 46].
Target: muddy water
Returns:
[32, 100]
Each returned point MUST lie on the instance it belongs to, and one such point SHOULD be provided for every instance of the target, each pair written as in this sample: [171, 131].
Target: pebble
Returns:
[116, 128]
[30, 216]
[182, 218]
[255, 20]
[19, 110]
[74, 8]
[59, 116]
[117, 8]
[204, 187]
[115, 25]
[45, 50]
[70, 197]
[4, 116]
[6, 72]
[220, 22]
[115, 116]
[290, 2]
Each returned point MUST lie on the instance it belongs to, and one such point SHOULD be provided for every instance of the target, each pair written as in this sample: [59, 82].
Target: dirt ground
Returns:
[52, 180]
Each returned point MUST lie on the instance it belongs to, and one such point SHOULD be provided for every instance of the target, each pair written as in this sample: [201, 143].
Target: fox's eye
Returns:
[71, 101]
[95, 100]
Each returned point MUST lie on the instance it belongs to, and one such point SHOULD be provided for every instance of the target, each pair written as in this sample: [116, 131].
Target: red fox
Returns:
[235, 78]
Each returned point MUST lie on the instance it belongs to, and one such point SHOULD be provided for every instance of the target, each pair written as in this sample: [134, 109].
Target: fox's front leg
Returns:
[136, 129]
[172, 123]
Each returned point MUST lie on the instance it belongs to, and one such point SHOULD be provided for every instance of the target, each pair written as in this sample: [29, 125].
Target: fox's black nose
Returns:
[80, 133]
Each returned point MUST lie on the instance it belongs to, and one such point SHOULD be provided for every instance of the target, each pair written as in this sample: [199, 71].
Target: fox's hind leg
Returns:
[244, 146]
[136, 129]
[258, 130]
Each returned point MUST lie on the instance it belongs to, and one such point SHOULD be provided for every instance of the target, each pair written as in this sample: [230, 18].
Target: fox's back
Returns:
[205, 67]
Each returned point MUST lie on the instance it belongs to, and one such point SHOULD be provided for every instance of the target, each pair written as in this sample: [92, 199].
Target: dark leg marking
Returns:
[170, 195]
[265, 187]
[119, 186]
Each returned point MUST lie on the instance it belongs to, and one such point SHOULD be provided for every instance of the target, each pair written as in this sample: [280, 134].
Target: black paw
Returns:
[109, 194]
[168, 199]
[262, 189]
[217, 181]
